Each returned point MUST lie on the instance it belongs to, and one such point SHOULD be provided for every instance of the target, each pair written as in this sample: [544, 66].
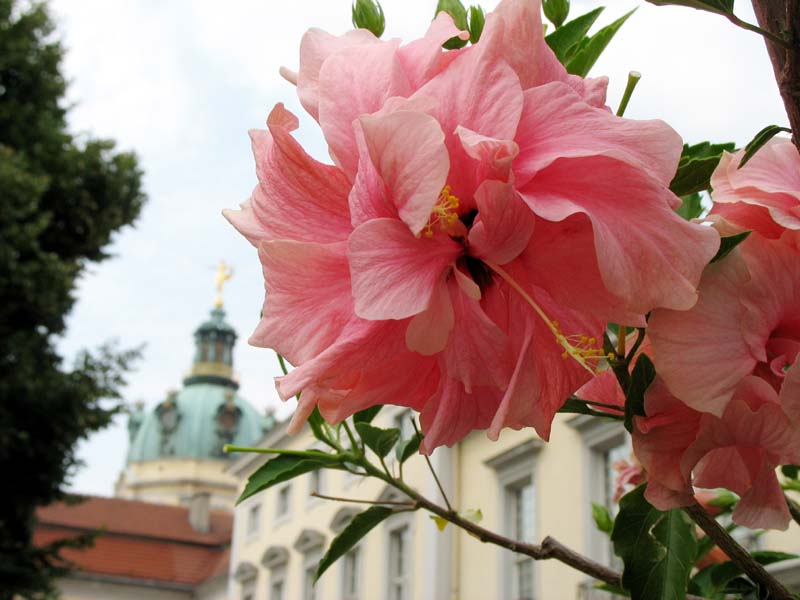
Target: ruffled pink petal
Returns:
[352, 83]
[246, 223]
[394, 273]
[429, 331]
[604, 389]
[561, 259]
[504, 224]
[764, 505]
[480, 93]
[749, 216]
[702, 354]
[422, 59]
[790, 392]
[297, 197]
[315, 47]
[292, 321]
[664, 498]
[494, 157]
[477, 352]
[369, 199]
[557, 123]
[408, 151]
[452, 413]
[305, 406]
[647, 254]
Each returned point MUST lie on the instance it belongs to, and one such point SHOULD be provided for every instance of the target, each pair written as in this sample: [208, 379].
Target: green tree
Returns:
[61, 200]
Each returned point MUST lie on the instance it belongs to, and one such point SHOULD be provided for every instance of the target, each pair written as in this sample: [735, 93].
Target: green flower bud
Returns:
[455, 9]
[368, 14]
[556, 11]
[476, 22]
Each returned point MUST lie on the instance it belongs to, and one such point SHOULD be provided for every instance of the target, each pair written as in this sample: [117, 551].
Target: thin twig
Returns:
[736, 553]
[435, 477]
[622, 331]
[407, 503]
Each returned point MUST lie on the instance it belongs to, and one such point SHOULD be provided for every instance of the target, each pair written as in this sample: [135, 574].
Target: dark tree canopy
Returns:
[61, 200]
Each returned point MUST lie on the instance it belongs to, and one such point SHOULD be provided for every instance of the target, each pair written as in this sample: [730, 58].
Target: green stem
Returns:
[756, 29]
[282, 363]
[633, 80]
[302, 453]
[353, 442]
[435, 477]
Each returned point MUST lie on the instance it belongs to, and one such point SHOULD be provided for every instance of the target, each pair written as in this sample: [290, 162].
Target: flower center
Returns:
[444, 214]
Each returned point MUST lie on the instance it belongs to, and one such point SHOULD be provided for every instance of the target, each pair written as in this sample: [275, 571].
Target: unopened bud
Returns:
[368, 14]
[476, 22]
[455, 9]
[556, 11]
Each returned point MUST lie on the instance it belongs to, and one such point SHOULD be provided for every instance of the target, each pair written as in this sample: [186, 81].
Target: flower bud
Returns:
[455, 9]
[476, 22]
[556, 11]
[368, 14]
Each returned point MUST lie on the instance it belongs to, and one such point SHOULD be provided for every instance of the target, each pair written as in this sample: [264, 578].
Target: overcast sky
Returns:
[181, 82]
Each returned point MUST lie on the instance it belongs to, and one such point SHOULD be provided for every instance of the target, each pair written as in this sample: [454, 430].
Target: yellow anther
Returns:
[444, 213]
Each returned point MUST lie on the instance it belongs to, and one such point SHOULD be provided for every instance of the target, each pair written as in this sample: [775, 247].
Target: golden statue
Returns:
[224, 273]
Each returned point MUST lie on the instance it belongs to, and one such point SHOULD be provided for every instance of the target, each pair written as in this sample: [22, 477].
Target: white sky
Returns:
[181, 82]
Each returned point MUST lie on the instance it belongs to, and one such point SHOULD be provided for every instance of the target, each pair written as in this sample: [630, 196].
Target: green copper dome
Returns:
[207, 413]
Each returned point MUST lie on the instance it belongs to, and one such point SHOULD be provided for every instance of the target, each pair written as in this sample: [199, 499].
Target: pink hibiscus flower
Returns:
[764, 195]
[483, 219]
[725, 409]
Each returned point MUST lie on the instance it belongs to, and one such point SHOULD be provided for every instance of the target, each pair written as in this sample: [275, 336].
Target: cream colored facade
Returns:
[280, 534]
[176, 480]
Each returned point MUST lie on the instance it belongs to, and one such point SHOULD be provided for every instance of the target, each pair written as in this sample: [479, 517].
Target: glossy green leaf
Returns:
[285, 467]
[722, 7]
[367, 415]
[408, 448]
[691, 206]
[588, 53]
[761, 138]
[642, 376]
[564, 40]
[358, 527]
[696, 165]
[657, 548]
[602, 518]
[380, 441]
[728, 243]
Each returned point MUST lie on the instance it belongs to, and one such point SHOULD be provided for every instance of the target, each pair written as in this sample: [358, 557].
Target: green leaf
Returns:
[575, 406]
[721, 7]
[285, 467]
[380, 441]
[642, 376]
[477, 19]
[568, 36]
[366, 415]
[556, 11]
[408, 448]
[658, 548]
[691, 207]
[612, 589]
[588, 53]
[715, 581]
[602, 518]
[455, 9]
[728, 243]
[358, 527]
[317, 424]
[790, 471]
[762, 137]
[441, 522]
[367, 14]
[696, 165]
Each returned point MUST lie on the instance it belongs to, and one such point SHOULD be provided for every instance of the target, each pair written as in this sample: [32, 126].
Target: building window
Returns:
[253, 521]
[282, 502]
[276, 559]
[398, 563]
[350, 574]
[276, 589]
[515, 476]
[309, 589]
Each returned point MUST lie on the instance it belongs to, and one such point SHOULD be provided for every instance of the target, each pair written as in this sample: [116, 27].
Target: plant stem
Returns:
[300, 453]
[622, 332]
[353, 441]
[736, 553]
[407, 503]
[755, 29]
[435, 477]
[633, 79]
[783, 16]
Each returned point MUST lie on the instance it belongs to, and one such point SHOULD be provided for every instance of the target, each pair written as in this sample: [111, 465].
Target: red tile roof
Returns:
[140, 540]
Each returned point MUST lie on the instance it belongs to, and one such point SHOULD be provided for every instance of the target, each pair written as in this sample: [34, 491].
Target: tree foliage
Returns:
[62, 200]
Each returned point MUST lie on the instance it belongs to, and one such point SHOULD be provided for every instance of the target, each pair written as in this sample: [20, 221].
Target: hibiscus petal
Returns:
[647, 254]
[504, 224]
[428, 331]
[494, 157]
[354, 83]
[315, 47]
[408, 151]
[557, 123]
[424, 58]
[764, 505]
[293, 322]
[297, 197]
[394, 274]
